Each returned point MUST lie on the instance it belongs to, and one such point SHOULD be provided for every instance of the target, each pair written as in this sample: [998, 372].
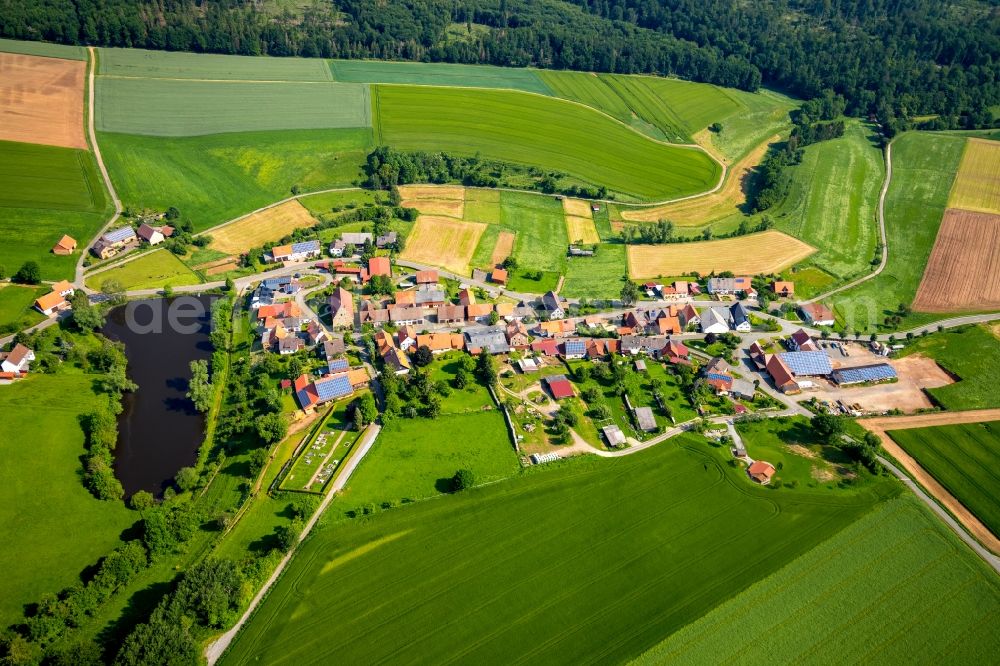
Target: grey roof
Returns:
[430, 295]
[305, 246]
[739, 314]
[333, 346]
[355, 238]
[490, 338]
[644, 417]
[551, 301]
[387, 239]
[614, 435]
[712, 316]
[290, 343]
[742, 387]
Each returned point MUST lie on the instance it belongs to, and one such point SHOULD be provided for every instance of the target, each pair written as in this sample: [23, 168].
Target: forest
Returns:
[894, 59]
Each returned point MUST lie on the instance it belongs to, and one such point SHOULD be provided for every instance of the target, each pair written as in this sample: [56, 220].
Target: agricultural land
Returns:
[963, 272]
[972, 354]
[443, 241]
[42, 100]
[766, 252]
[153, 270]
[964, 459]
[977, 185]
[257, 228]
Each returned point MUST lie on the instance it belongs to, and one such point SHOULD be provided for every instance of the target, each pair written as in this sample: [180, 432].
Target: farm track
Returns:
[880, 426]
[92, 134]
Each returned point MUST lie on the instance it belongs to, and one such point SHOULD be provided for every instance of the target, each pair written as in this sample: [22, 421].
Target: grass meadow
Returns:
[139, 63]
[151, 270]
[212, 179]
[542, 132]
[764, 114]
[438, 74]
[923, 168]
[60, 528]
[43, 49]
[965, 459]
[860, 597]
[16, 307]
[598, 276]
[594, 560]
[833, 200]
[46, 192]
[158, 107]
[329, 202]
[971, 353]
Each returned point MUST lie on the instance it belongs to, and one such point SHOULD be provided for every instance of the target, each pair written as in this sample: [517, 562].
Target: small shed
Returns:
[614, 436]
[644, 419]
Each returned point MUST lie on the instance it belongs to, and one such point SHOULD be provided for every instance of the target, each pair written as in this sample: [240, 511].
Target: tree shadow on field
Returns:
[140, 605]
[443, 486]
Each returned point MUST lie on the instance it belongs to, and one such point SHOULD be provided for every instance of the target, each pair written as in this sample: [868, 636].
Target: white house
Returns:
[714, 320]
[18, 359]
[296, 251]
[150, 234]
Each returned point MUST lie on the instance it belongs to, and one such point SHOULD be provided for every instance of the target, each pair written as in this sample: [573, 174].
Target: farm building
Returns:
[113, 241]
[450, 314]
[430, 296]
[407, 315]
[575, 251]
[51, 303]
[644, 419]
[150, 234]
[761, 472]
[310, 394]
[784, 381]
[379, 266]
[440, 342]
[478, 312]
[715, 320]
[807, 363]
[18, 360]
[729, 286]
[341, 308]
[491, 338]
[866, 374]
[333, 346]
[407, 297]
[466, 297]
[817, 314]
[387, 239]
[547, 347]
[742, 389]
[336, 365]
[498, 276]
[783, 289]
[528, 365]
[801, 341]
[66, 245]
[356, 238]
[427, 277]
[559, 386]
[296, 251]
[614, 436]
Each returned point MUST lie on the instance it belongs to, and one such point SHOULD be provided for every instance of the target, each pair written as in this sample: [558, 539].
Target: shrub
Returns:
[463, 480]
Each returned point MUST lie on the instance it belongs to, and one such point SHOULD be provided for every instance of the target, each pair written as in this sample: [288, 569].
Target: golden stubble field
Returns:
[977, 183]
[443, 241]
[258, 228]
[766, 252]
[41, 100]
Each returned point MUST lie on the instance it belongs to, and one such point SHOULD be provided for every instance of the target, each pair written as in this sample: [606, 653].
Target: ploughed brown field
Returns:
[504, 247]
[963, 272]
[41, 100]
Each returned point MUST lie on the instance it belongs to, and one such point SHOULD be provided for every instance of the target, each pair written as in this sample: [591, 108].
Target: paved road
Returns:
[488, 286]
[84, 251]
[219, 646]
[881, 231]
[42, 325]
[989, 557]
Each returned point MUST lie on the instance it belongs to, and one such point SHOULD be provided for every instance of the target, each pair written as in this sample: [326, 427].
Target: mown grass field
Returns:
[55, 527]
[833, 199]
[139, 63]
[977, 184]
[595, 560]
[158, 107]
[923, 168]
[965, 459]
[46, 192]
[542, 132]
[16, 307]
[765, 252]
[438, 74]
[213, 179]
[972, 354]
[43, 49]
[156, 269]
[860, 597]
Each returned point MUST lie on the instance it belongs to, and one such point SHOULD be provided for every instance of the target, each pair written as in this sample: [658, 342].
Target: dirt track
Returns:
[879, 426]
[41, 100]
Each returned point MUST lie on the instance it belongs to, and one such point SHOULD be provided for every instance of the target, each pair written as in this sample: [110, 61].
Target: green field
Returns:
[863, 596]
[438, 74]
[543, 132]
[322, 455]
[590, 89]
[833, 199]
[152, 270]
[764, 115]
[320, 204]
[598, 276]
[16, 307]
[540, 244]
[160, 107]
[965, 459]
[923, 167]
[970, 353]
[55, 527]
[43, 49]
[176, 65]
[46, 192]
[212, 179]
[596, 561]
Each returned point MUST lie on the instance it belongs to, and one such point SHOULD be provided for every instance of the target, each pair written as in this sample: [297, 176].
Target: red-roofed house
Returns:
[379, 266]
[817, 314]
[761, 472]
[65, 246]
[801, 341]
[674, 352]
[427, 277]
[784, 381]
[499, 276]
[559, 387]
[545, 347]
[18, 359]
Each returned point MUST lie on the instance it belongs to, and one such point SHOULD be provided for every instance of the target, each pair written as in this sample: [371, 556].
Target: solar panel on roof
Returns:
[339, 364]
[335, 387]
[120, 234]
[305, 246]
[575, 347]
[868, 373]
[807, 363]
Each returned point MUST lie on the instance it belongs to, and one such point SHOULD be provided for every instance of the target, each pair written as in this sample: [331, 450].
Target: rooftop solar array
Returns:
[338, 364]
[575, 347]
[305, 246]
[119, 234]
[868, 373]
[334, 387]
[807, 363]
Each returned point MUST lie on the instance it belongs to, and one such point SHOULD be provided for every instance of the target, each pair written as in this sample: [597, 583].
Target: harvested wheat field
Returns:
[766, 252]
[963, 272]
[452, 192]
[41, 100]
[450, 207]
[504, 247]
[257, 228]
[444, 242]
[701, 210]
[977, 184]
[576, 208]
[581, 229]
[222, 268]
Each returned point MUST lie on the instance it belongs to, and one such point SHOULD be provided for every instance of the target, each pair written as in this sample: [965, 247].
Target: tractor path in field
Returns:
[92, 134]
[881, 425]
[219, 645]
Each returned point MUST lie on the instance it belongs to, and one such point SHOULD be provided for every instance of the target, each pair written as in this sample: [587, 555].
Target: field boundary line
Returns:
[92, 137]
[275, 204]
[217, 647]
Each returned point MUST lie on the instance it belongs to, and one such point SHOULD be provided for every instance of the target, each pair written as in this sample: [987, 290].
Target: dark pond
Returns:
[159, 430]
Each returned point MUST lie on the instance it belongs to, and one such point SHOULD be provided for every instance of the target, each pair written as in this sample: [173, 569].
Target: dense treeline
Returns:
[893, 58]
